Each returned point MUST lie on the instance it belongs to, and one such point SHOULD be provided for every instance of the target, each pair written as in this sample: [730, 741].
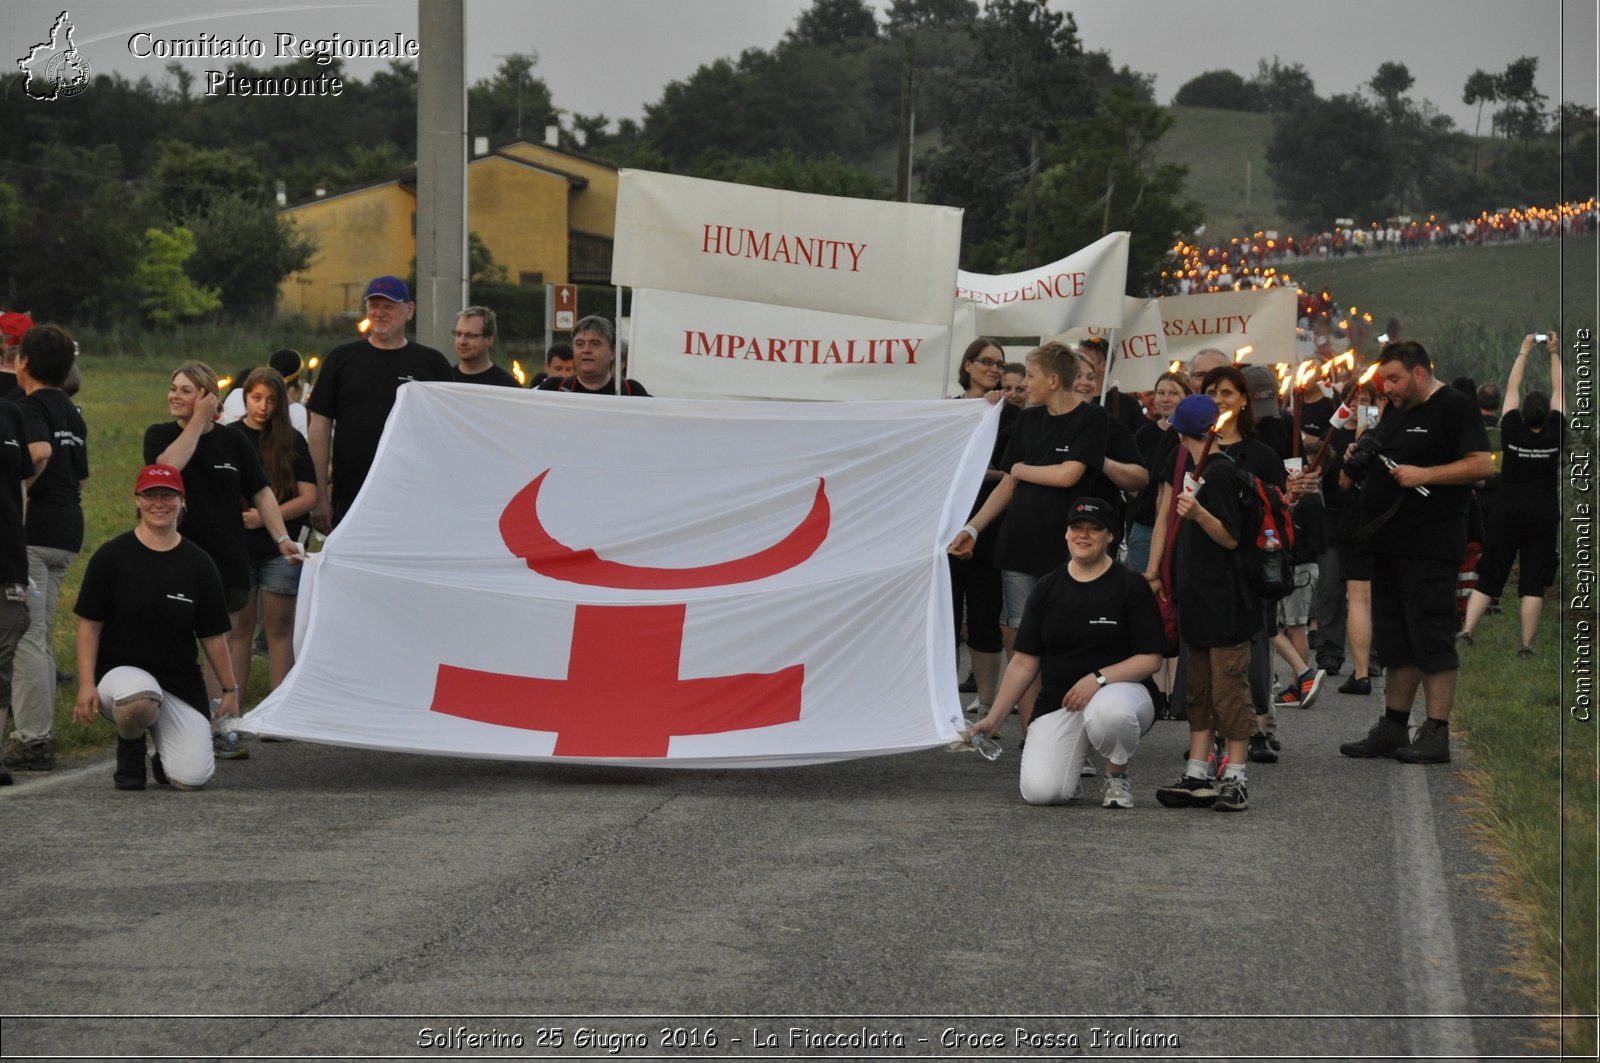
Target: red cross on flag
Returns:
[538, 576]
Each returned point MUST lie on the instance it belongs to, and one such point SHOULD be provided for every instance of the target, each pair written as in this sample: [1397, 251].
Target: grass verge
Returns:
[1534, 798]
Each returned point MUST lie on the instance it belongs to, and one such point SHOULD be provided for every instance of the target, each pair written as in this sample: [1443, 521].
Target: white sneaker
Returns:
[978, 709]
[1119, 792]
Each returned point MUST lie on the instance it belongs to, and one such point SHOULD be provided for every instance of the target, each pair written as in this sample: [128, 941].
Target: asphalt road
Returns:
[316, 901]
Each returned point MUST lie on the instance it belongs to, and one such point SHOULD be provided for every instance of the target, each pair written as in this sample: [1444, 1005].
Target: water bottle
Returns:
[987, 747]
[1275, 573]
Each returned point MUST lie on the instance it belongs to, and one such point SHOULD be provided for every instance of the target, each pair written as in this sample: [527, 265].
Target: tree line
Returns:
[1378, 153]
[144, 199]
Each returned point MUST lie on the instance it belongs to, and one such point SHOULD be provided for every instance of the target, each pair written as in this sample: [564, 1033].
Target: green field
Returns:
[1226, 152]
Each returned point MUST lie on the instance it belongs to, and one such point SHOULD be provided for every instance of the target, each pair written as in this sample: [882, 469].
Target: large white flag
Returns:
[1139, 350]
[537, 576]
[894, 261]
[694, 346]
[1229, 321]
[1085, 288]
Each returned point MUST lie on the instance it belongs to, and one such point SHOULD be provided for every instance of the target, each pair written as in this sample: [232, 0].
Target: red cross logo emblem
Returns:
[611, 707]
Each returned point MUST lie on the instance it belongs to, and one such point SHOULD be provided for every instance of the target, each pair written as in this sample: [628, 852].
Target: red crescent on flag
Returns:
[527, 538]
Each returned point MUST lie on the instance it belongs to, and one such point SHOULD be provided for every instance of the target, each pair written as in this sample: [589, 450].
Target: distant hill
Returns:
[1226, 152]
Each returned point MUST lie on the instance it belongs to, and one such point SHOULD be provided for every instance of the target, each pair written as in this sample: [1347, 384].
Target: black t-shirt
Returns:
[1077, 628]
[258, 541]
[1441, 430]
[1156, 445]
[1120, 446]
[152, 605]
[356, 388]
[1215, 605]
[493, 376]
[55, 501]
[1315, 415]
[15, 467]
[1034, 538]
[577, 387]
[1530, 467]
[1276, 433]
[1258, 458]
[1126, 409]
[220, 480]
[983, 550]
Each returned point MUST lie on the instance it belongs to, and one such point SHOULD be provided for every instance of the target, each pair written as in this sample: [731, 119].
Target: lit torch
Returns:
[1174, 367]
[1343, 414]
[224, 383]
[1242, 353]
[516, 371]
[364, 325]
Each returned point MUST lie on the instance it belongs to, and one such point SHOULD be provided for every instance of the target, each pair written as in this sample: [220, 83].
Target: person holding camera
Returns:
[1428, 450]
[1526, 519]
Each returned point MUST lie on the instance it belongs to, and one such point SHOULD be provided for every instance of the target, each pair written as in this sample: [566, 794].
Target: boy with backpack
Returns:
[1218, 612]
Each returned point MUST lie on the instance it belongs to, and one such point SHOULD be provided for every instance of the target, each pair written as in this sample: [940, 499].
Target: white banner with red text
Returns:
[1262, 320]
[694, 346]
[845, 256]
[1085, 288]
[649, 582]
[1138, 349]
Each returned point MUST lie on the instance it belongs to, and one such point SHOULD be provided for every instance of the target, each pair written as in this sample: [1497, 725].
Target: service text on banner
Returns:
[1085, 288]
[861, 257]
[694, 346]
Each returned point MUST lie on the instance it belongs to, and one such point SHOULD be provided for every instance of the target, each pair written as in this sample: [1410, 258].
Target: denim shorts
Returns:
[1015, 588]
[275, 574]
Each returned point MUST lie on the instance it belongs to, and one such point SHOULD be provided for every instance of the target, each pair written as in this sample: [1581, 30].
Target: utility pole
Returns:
[441, 170]
[902, 190]
[532, 58]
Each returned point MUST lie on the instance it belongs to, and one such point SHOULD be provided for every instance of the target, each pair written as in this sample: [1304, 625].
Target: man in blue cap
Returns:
[356, 389]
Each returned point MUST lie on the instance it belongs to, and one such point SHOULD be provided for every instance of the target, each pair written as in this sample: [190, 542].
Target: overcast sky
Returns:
[614, 56]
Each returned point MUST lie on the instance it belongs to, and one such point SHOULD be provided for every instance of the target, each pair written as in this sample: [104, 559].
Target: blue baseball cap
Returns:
[392, 288]
[1194, 416]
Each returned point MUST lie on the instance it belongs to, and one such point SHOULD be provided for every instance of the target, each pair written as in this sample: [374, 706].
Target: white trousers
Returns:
[1059, 741]
[182, 736]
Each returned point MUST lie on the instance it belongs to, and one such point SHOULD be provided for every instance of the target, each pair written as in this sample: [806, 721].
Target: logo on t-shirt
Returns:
[1416, 428]
[225, 465]
[1103, 620]
[181, 597]
[1063, 450]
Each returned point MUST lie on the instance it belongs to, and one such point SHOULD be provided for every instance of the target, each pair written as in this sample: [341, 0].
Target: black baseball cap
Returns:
[1096, 510]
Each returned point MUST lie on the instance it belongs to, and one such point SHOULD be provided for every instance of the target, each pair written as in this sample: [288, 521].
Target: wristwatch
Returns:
[280, 540]
[1098, 678]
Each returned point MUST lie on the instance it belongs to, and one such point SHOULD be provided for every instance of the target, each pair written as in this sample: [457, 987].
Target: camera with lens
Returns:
[1359, 463]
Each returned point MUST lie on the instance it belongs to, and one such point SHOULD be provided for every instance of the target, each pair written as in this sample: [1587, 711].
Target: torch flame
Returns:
[1346, 361]
[1222, 419]
[315, 361]
[1173, 368]
[1242, 353]
[516, 371]
[224, 383]
[363, 325]
[1305, 374]
[1372, 370]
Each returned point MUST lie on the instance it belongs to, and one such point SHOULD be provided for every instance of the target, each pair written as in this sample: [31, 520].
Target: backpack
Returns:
[1269, 573]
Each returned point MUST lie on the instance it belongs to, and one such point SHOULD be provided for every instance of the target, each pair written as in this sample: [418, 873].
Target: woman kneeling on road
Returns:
[146, 596]
[1094, 629]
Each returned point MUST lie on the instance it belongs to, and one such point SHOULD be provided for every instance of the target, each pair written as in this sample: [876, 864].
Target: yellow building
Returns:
[547, 215]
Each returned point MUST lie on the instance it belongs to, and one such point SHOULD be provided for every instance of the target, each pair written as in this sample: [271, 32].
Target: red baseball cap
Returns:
[13, 325]
[159, 476]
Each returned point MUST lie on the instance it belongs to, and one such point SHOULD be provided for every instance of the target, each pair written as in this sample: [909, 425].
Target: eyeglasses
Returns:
[990, 362]
[468, 335]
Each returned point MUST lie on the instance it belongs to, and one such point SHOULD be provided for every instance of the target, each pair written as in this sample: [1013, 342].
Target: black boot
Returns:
[130, 763]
